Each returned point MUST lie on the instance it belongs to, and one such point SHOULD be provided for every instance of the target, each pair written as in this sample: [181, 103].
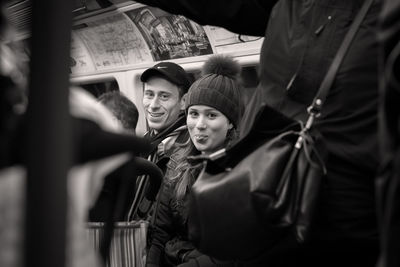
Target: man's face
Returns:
[161, 102]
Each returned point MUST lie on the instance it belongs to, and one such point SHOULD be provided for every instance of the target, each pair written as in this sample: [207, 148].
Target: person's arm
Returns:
[248, 17]
[163, 228]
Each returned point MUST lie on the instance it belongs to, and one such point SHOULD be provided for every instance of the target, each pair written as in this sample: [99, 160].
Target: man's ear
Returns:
[182, 102]
[230, 126]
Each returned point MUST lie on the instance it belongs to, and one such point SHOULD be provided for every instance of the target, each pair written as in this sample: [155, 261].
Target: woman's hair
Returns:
[188, 171]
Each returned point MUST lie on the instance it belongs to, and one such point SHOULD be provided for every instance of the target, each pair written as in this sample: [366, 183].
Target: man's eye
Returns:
[164, 97]
[148, 94]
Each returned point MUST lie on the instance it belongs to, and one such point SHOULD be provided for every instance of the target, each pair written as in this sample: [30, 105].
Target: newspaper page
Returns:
[114, 41]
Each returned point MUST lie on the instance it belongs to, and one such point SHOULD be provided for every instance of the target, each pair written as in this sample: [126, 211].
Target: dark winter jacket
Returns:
[169, 233]
[169, 244]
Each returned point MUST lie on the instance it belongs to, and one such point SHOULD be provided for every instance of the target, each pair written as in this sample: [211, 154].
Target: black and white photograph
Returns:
[188, 133]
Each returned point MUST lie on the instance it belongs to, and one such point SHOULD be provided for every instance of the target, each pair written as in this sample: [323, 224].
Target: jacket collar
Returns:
[179, 124]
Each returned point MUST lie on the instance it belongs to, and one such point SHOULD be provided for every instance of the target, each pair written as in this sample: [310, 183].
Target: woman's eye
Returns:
[212, 115]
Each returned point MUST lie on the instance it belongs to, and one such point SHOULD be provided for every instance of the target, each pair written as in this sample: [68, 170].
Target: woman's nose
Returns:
[201, 124]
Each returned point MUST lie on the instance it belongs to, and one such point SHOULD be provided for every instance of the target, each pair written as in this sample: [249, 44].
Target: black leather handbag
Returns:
[265, 187]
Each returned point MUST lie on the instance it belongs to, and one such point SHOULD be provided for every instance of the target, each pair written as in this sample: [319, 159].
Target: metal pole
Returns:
[49, 134]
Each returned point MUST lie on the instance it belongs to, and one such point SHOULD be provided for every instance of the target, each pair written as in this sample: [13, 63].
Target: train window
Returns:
[99, 88]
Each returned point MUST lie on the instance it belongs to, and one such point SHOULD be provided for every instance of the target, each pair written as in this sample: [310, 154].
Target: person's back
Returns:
[291, 77]
[346, 220]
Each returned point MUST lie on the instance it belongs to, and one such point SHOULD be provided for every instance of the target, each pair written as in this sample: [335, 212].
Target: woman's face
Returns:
[207, 128]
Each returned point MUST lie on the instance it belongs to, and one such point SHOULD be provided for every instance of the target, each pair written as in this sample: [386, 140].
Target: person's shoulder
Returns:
[177, 141]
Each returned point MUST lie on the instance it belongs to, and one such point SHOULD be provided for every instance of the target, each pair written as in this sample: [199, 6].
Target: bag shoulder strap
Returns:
[327, 82]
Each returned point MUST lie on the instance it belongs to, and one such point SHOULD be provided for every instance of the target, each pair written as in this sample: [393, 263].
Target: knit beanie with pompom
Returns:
[218, 88]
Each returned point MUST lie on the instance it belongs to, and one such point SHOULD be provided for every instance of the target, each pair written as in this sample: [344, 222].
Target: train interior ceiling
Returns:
[114, 41]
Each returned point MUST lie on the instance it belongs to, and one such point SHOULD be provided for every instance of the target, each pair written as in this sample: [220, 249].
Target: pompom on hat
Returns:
[218, 88]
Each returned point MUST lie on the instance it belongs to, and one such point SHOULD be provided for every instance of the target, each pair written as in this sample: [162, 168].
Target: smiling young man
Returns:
[164, 88]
